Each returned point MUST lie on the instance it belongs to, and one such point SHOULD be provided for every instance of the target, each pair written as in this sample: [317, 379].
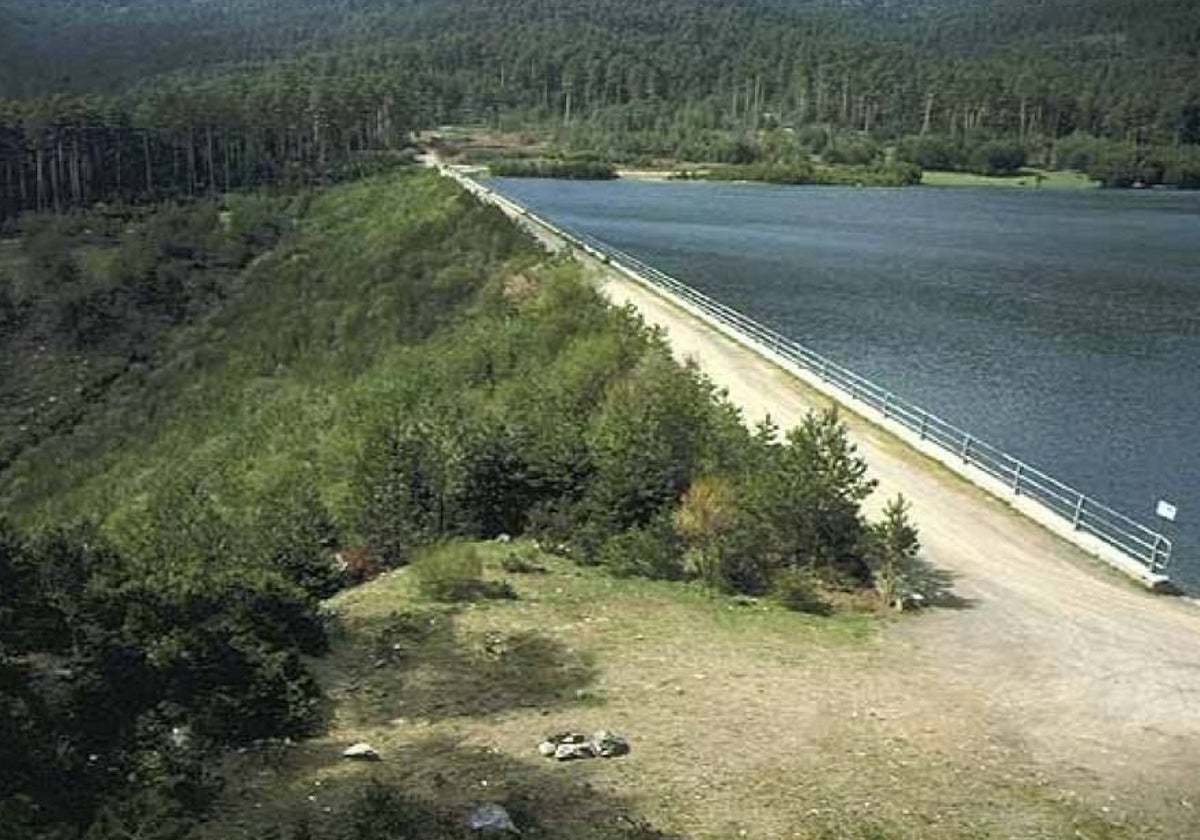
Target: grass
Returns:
[745, 719]
[1050, 179]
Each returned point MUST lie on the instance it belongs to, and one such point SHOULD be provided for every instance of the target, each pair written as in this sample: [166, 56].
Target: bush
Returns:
[454, 572]
[853, 150]
[651, 551]
[997, 157]
[796, 589]
[380, 813]
[522, 561]
[900, 577]
[297, 536]
[932, 151]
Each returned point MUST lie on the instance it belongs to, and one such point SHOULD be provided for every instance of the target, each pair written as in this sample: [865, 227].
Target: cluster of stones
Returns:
[568, 746]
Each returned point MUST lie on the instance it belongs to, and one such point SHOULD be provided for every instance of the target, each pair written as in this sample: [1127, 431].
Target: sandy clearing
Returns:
[1094, 674]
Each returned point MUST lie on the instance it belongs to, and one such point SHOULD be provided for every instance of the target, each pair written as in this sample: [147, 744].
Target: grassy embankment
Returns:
[276, 381]
[1028, 178]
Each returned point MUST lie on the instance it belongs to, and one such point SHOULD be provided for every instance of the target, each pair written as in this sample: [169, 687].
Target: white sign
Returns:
[1166, 510]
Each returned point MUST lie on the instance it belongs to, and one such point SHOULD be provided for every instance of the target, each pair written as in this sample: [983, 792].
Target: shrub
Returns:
[796, 589]
[651, 551]
[297, 536]
[932, 151]
[522, 562]
[997, 157]
[900, 577]
[381, 813]
[454, 572]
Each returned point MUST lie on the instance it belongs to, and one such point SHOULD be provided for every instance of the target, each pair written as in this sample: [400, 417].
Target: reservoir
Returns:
[1062, 326]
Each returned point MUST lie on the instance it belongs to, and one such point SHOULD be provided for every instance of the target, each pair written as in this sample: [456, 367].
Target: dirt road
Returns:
[1087, 671]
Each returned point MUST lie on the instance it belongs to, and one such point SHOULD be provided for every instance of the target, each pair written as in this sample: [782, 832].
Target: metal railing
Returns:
[1085, 514]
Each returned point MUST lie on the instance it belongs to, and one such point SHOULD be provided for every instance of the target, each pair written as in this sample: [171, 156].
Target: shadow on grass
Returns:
[419, 664]
[429, 791]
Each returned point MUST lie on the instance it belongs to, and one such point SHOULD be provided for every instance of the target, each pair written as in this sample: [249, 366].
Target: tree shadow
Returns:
[936, 587]
[419, 664]
[430, 790]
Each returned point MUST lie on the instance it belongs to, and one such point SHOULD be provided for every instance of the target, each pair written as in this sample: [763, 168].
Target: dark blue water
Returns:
[1063, 326]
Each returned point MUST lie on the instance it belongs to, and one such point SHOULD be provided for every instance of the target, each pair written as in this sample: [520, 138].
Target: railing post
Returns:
[965, 452]
[1017, 479]
[921, 431]
[887, 404]
[1154, 565]
[1078, 512]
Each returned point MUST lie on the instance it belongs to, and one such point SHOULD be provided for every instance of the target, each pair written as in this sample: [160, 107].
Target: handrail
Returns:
[1133, 539]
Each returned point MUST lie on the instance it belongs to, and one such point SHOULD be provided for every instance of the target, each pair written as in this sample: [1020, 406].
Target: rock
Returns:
[180, 736]
[569, 752]
[491, 818]
[568, 746]
[609, 744]
[503, 538]
[361, 752]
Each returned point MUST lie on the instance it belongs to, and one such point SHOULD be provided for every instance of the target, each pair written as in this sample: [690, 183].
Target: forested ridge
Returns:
[135, 100]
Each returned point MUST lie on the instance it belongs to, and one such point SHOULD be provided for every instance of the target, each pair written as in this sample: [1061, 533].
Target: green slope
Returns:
[276, 375]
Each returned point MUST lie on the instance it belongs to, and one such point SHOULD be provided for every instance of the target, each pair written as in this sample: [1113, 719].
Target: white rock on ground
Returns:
[361, 752]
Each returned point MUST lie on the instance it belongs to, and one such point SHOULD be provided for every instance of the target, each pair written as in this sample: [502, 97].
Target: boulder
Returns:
[361, 752]
[569, 752]
[490, 818]
[547, 748]
[609, 744]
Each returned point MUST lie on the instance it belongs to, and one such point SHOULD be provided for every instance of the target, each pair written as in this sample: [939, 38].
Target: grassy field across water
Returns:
[1029, 178]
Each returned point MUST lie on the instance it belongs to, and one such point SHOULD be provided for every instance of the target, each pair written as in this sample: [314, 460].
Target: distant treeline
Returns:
[230, 94]
[70, 152]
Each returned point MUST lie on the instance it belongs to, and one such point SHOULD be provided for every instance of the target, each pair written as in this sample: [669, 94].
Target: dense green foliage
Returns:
[119, 674]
